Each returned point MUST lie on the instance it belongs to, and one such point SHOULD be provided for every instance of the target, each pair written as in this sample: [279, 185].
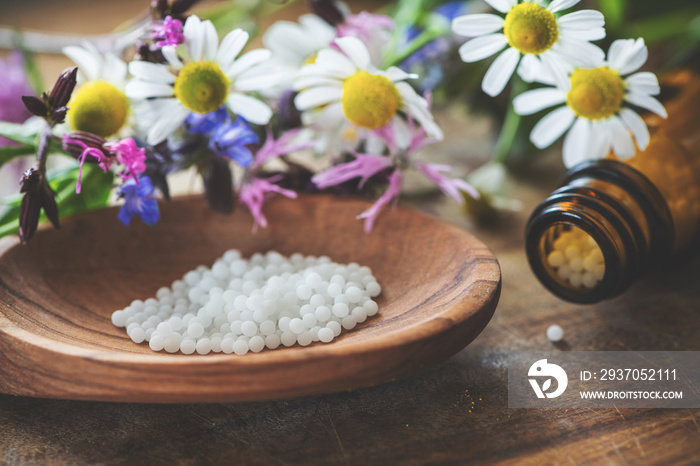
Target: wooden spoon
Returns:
[440, 288]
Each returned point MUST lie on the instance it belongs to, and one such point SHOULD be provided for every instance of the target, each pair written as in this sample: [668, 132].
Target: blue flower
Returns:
[227, 138]
[138, 199]
[207, 122]
[231, 139]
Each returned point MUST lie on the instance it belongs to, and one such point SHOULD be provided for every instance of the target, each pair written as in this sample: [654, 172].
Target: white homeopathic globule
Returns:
[240, 305]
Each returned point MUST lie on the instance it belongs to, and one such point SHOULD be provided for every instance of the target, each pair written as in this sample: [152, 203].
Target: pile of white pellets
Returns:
[577, 258]
[240, 305]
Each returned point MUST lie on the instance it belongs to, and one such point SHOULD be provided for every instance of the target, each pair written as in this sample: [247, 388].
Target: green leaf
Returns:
[23, 133]
[614, 12]
[11, 152]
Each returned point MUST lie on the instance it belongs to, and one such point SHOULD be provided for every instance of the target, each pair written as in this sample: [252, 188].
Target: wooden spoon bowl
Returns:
[440, 288]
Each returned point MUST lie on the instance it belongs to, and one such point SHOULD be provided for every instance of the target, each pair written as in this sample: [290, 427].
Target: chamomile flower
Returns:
[294, 44]
[547, 44]
[98, 104]
[597, 109]
[341, 91]
[208, 77]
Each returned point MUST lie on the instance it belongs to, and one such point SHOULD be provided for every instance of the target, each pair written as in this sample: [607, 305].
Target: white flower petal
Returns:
[621, 139]
[151, 72]
[500, 72]
[582, 35]
[503, 6]
[643, 82]
[331, 63]
[477, 25]
[637, 125]
[250, 108]
[553, 125]
[143, 90]
[329, 118]
[259, 78]
[114, 69]
[533, 101]
[627, 55]
[211, 40]
[172, 115]
[647, 102]
[170, 54]
[558, 5]
[317, 96]
[600, 140]
[230, 47]
[481, 47]
[395, 74]
[530, 68]
[554, 70]
[575, 148]
[580, 52]
[417, 107]
[582, 20]
[194, 37]
[355, 50]
[88, 63]
[247, 61]
[310, 81]
[318, 33]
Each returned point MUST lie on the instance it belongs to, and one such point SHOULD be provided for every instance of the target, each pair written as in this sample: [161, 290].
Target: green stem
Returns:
[511, 124]
[42, 152]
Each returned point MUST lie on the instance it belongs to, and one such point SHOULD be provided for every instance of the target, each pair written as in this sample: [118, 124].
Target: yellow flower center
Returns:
[202, 87]
[531, 28]
[369, 100]
[311, 59]
[595, 94]
[98, 107]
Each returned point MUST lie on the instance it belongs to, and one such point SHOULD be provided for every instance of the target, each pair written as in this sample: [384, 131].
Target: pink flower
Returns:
[256, 192]
[100, 157]
[364, 166]
[129, 155]
[277, 147]
[392, 192]
[450, 186]
[364, 25]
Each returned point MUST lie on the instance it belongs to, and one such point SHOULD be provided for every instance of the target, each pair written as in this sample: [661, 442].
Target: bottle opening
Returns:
[572, 257]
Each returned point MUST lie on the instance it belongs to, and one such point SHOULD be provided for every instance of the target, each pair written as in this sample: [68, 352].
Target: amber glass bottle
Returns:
[610, 221]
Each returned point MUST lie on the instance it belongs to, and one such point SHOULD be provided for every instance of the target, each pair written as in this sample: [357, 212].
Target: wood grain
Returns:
[440, 288]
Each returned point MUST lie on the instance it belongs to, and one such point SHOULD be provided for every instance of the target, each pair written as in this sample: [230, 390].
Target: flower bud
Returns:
[62, 90]
[328, 11]
[37, 195]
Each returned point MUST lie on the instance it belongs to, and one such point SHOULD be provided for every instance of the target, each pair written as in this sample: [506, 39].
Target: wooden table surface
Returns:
[454, 413]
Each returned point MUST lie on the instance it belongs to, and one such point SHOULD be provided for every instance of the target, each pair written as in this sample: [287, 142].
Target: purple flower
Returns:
[392, 192]
[364, 166]
[13, 86]
[129, 155]
[97, 154]
[169, 32]
[277, 147]
[450, 186]
[139, 198]
[256, 192]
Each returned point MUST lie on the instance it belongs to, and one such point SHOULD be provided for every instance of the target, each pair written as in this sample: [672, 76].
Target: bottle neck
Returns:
[593, 237]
